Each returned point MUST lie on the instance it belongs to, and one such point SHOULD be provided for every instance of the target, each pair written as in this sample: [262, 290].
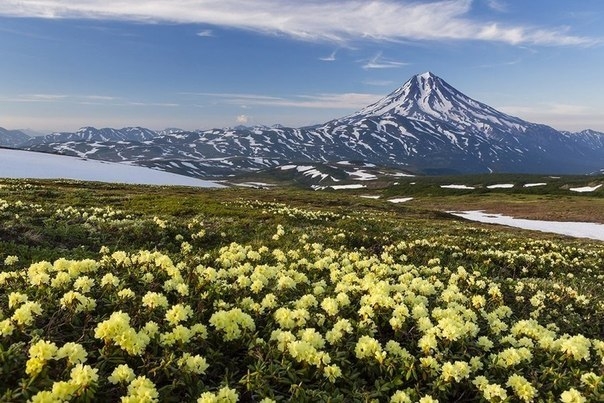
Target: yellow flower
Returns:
[16, 298]
[11, 260]
[122, 373]
[110, 280]
[427, 342]
[193, 363]
[224, 395]
[83, 283]
[178, 313]
[39, 354]
[232, 322]
[332, 372]
[151, 329]
[334, 335]
[141, 389]
[522, 388]
[227, 395]
[330, 306]
[6, 327]
[400, 397]
[44, 396]
[455, 371]
[494, 393]
[576, 347]
[126, 293]
[572, 396]
[154, 300]
[590, 380]
[74, 352]
[512, 356]
[368, 347]
[61, 279]
[24, 315]
[83, 376]
[64, 391]
[313, 337]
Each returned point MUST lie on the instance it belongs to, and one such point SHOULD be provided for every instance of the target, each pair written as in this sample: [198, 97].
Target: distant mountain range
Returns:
[12, 138]
[425, 126]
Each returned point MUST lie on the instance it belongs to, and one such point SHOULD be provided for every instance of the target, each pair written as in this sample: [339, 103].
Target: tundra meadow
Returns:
[149, 294]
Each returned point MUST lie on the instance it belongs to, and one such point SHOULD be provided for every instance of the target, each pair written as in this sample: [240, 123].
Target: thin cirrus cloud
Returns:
[82, 100]
[336, 21]
[322, 101]
[330, 58]
[497, 5]
[206, 33]
[378, 62]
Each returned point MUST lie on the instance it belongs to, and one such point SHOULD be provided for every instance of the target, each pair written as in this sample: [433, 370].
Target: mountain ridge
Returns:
[425, 126]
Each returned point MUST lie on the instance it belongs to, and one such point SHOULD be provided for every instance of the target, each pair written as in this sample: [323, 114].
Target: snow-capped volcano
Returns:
[427, 97]
[425, 126]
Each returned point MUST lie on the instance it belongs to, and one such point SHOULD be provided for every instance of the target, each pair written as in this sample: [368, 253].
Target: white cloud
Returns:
[336, 21]
[206, 33]
[497, 5]
[330, 58]
[318, 101]
[82, 100]
[242, 119]
[379, 83]
[378, 62]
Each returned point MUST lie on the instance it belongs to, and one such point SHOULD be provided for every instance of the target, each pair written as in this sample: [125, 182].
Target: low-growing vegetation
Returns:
[133, 294]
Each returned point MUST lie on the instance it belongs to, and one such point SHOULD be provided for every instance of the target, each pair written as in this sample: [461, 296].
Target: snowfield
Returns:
[585, 189]
[457, 187]
[352, 186]
[400, 200]
[501, 186]
[570, 228]
[32, 165]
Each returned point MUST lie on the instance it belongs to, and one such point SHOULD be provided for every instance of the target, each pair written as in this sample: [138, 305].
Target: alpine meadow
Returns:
[174, 294]
[267, 201]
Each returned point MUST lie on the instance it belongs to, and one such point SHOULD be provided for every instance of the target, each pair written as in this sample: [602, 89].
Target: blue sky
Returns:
[197, 64]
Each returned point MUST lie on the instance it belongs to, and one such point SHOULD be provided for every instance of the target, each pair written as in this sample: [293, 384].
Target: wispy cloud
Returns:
[491, 65]
[82, 100]
[45, 97]
[336, 21]
[379, 62]
[378, 83]
[206, 33]
[330, 58]
[497, 5]
[317, 101]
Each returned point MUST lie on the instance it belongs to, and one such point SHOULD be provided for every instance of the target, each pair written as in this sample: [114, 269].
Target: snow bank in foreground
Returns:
[29, 164]
[585, 189]
[570, 228]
